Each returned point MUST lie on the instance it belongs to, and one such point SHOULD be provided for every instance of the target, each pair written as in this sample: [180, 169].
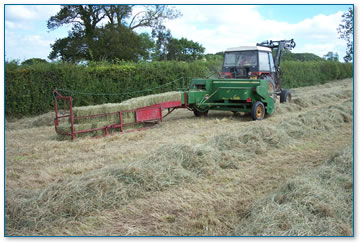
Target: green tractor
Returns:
[249, 82]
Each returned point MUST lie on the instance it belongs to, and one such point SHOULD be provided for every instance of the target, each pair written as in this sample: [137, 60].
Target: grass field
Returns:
[221, 175]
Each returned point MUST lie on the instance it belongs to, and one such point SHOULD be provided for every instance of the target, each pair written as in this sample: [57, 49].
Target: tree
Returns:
[84, 18]
[93, 24]
[33, 61]
[117, 14]
[289, 56]
[153, 16]
[170, 48]
[121, 43]
[11, 65]
[73, 48]
[218, 56]
[184, 50]
[346, 32]
[163, 37]
[331, 56]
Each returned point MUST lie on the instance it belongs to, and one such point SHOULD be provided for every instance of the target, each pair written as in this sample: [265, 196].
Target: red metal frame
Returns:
[143, 115]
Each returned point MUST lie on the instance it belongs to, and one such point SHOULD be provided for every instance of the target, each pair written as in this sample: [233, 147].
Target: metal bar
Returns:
[88, 130]
[169, 111]
[120, 120]
[57, 93]
[71, 119]
[186, 99]
[161, 117]
[56, 121]
[204, 100]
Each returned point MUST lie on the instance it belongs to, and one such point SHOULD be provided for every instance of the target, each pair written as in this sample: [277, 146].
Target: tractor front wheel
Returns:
[285, 96]
[198, 113]
[258, 111]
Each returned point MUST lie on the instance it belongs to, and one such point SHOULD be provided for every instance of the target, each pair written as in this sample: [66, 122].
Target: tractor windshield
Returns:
[240, 59]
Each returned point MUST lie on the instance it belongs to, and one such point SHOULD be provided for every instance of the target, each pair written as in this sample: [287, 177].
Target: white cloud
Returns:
[219, 27]
[27, 17]
[38, 40]
[9, 24]
[20, 46]
[26, 35]
[30, 12]
[20, 12]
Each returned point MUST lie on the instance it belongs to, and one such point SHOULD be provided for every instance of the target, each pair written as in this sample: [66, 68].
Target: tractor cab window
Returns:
[271, 58]
[264, 62]
[240, 59]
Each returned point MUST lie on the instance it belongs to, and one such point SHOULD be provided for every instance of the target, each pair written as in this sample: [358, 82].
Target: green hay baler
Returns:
[236, 95]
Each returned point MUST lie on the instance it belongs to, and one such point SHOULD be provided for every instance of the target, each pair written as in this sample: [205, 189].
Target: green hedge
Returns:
[28, 88]
[299, 74]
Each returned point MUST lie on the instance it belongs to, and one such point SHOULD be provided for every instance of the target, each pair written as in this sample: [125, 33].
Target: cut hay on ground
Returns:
[46, 119]
[188, 176]
[169, 166]
[105, 188]
[318, 203]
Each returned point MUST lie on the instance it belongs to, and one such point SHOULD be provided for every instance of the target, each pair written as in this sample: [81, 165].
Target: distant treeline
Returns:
[28, 87]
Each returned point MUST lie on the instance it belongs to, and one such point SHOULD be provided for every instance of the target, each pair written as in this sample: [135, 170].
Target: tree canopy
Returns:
[345, 30]
[184, 50]
[105, 32]
[33, 61]
[289, 56]
[170, 48]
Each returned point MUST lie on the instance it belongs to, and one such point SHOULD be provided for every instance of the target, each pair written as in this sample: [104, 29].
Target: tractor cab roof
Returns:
[245, 48]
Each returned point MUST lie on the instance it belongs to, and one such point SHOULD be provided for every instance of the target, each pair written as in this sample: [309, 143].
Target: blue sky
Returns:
[286, 12]
[216, 27]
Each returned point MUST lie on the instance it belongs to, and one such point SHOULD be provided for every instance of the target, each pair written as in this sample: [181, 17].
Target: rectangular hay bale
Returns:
[133, 103]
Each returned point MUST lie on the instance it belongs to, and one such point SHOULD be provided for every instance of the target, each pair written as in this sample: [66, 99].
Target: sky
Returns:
[216, 27]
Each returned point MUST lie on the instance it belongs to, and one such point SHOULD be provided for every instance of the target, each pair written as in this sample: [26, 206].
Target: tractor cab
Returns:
[256, 62]
[248, 62]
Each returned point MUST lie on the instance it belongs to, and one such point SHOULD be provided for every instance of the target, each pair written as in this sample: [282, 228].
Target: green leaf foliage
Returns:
[298, 74]
[346, 30]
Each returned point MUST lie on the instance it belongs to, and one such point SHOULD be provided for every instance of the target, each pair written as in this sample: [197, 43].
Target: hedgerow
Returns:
[28, 88]
[299, 74]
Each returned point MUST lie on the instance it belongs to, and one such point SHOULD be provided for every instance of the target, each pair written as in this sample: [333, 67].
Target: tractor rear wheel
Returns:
[258, 111]
[271, 87]
[285, 96]
[198, 113]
